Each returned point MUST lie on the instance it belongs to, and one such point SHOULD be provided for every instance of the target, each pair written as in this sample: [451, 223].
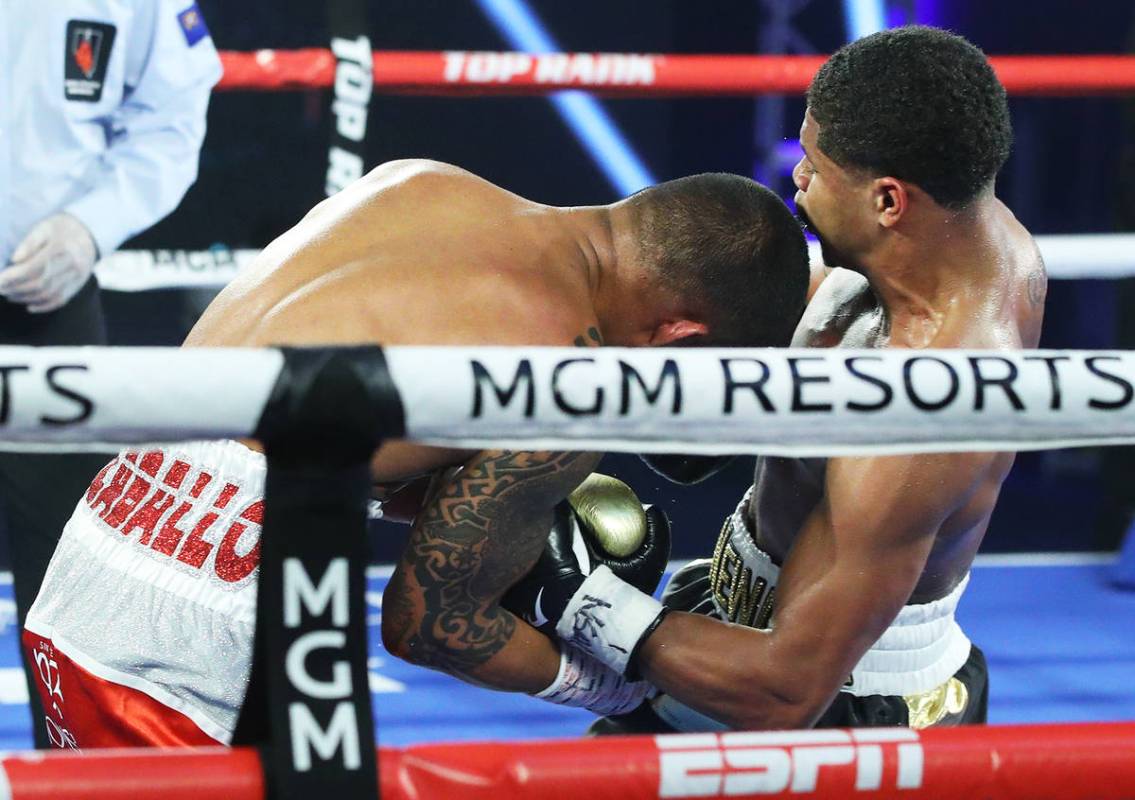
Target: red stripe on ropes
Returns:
[633, 75]
[1039, 762]
[198, 774]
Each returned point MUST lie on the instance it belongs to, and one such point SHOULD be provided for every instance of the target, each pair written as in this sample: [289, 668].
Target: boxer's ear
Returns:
[673, 332]
[891, 200]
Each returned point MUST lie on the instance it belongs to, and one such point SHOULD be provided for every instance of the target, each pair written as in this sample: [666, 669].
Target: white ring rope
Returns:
[779, 402]
[1096, 255]
[96, 398]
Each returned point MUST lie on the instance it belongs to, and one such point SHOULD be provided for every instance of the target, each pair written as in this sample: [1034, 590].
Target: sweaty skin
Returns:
[423, 253]
[858, 538]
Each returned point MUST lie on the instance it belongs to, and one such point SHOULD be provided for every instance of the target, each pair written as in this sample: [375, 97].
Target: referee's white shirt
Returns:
[122, 161]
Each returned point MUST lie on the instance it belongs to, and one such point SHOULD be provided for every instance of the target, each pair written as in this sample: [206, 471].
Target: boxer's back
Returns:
[416, 252]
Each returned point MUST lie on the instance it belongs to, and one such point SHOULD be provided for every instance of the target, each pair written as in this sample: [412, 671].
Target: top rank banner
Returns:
[804, 402]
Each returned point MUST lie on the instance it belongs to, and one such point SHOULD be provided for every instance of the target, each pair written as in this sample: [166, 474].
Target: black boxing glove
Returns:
[690, 589]
[601, 523]
[686, 470]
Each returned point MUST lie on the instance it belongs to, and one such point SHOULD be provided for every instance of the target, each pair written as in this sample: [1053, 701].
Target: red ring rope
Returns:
[633, 75]
[1039, 762]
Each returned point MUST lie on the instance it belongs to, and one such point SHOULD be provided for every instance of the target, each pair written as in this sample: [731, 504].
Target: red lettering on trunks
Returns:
[171, 535]
[146, 517]
[152, 462]
[176, 474]
[98, 482]
[111, 492]
[229, 565]
[138, 489]
[130, 498]
[227, 494]
[202, 481]
[196, 550]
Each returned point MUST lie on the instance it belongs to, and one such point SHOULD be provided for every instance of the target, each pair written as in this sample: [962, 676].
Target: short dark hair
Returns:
[917, 103]
[731, 248]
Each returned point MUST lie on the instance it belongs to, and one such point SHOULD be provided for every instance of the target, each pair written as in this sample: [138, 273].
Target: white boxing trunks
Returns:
[142, 631]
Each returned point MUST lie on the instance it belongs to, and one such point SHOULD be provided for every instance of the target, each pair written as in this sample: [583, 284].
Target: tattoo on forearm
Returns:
[482, 533]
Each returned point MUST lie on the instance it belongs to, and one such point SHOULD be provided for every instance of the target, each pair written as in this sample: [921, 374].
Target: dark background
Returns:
[1072, 171]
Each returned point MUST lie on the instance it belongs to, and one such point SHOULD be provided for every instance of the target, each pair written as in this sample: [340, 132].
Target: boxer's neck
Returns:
[921, 267]
[628, 302]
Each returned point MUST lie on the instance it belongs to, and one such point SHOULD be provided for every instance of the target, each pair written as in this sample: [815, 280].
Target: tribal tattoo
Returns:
[484, 531]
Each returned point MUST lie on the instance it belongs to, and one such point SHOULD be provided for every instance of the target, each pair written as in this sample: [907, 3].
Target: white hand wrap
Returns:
[607, 617]
[583, 682]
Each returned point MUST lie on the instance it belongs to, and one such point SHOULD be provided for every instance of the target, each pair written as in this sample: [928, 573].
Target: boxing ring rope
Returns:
[802, 402]
[632, 74]
[1086, 761]
[1084, 256]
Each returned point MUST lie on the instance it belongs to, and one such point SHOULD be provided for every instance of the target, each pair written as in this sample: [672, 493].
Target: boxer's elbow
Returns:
[395, 638]
[401, 620]
[406, 635]
[774, 705]
[775, 711]
[788, 694]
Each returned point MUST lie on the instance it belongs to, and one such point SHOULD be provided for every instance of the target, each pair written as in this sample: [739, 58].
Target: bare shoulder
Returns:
[412, 174]
[406, 169]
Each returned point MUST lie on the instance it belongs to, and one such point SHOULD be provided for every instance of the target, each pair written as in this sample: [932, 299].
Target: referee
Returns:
[102, 115]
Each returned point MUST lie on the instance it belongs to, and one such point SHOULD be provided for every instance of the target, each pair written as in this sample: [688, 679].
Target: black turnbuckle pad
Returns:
[308, 702]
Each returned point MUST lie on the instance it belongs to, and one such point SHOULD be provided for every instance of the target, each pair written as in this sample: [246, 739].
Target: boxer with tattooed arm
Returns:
[148, 605]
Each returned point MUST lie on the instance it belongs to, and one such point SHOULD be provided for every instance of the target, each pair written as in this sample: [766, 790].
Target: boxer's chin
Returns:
[828, 254]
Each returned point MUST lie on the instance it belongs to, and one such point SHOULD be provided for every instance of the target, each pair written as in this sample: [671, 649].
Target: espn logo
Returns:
[775, 762]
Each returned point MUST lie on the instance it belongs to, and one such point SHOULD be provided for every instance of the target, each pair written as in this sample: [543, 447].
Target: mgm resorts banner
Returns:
[779, 402]
[698, 400]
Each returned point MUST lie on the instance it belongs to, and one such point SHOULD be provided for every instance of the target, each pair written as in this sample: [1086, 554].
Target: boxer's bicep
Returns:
[853, 565]
[860, 555]
[476, 536]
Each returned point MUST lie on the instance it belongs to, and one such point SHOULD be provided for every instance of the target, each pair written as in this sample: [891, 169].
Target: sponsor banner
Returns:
[142, 270]
[89, 398]
[838, 763]
[351, 92]
[802, 402]
[557, 69]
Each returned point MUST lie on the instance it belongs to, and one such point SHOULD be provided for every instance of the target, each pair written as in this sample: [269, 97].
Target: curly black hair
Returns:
[920, 104]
